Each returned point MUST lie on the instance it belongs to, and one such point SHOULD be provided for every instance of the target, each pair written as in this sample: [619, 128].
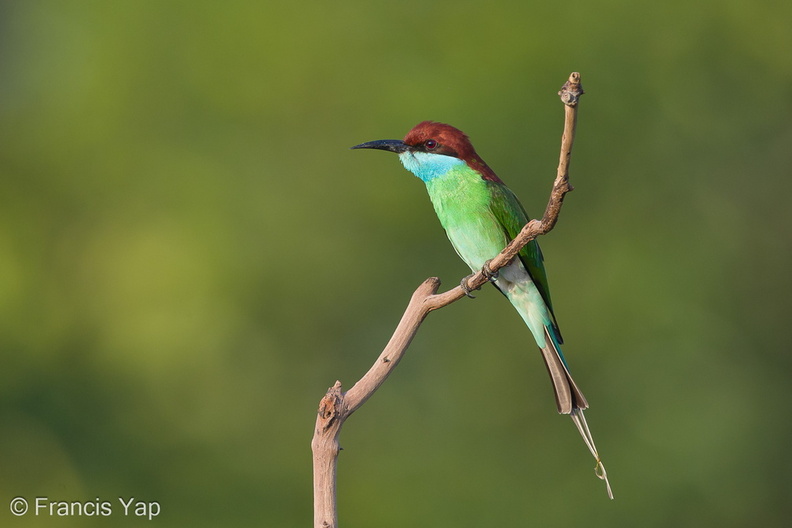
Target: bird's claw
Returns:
[467, 289]
[490, 275]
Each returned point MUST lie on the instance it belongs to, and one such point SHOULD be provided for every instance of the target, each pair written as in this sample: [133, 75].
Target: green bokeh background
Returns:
[190, 255]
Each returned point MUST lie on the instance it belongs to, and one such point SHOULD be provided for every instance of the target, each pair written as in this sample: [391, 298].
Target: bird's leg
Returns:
[467, 289]
[490, 275]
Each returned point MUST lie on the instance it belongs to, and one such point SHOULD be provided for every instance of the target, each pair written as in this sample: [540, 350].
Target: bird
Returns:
[480, 215]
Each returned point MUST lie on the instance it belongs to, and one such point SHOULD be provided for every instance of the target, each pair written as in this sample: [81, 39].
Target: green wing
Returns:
[512, 217]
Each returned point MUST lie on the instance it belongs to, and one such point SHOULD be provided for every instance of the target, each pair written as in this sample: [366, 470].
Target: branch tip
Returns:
[572, 90]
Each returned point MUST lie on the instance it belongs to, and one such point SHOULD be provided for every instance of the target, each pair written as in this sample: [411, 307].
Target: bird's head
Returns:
[431, 149]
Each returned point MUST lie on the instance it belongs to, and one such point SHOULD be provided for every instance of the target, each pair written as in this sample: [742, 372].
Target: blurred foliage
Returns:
[189, 256]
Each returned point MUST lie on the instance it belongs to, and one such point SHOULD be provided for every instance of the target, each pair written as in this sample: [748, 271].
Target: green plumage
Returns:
[480, 216]
[512, 217]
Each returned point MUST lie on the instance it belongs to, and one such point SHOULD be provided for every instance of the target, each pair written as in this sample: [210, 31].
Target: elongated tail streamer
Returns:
[580, 422]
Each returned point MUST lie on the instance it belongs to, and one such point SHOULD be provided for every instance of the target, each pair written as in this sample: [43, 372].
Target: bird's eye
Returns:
[430, 144]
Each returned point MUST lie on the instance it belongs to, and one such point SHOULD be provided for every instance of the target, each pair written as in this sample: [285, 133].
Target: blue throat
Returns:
[428, 166]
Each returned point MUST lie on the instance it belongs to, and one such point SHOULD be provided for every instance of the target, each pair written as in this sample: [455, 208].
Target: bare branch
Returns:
[570, 94]
[337, 405]
[394, 350]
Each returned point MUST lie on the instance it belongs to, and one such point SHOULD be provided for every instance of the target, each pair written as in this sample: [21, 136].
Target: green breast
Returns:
[462, 201]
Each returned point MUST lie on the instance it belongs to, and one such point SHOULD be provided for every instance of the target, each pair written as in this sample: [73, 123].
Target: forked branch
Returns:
[336, 406]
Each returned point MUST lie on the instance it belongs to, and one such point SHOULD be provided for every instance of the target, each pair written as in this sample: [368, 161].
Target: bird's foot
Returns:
[467, 289]
[490, 275]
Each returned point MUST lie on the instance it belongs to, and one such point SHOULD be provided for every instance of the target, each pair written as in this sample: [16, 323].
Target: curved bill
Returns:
[393, 145]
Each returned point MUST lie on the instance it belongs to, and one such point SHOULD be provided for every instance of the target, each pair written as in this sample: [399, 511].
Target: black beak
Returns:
[394, 145]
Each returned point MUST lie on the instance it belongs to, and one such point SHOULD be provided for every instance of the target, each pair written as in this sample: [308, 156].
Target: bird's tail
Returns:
[599, 469]
[570, 400]
[567, 394]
